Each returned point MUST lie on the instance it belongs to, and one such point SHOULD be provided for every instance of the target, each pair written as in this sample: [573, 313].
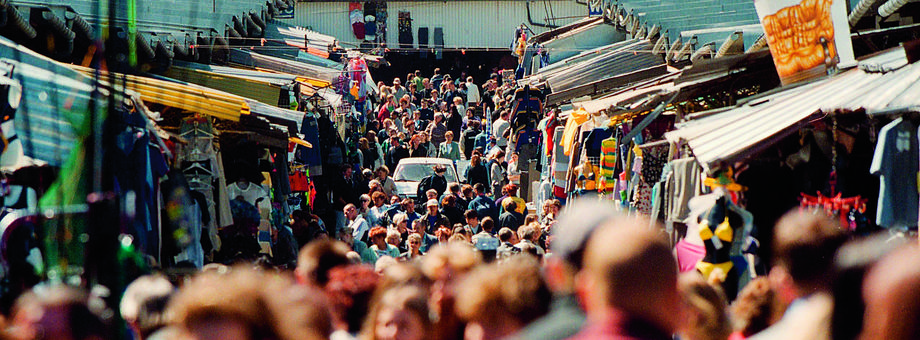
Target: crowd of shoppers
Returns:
[603, 276]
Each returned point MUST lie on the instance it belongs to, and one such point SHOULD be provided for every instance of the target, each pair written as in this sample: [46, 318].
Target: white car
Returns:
[410, 171]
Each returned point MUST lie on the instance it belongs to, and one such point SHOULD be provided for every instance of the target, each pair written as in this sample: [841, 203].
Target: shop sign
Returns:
[807, 38]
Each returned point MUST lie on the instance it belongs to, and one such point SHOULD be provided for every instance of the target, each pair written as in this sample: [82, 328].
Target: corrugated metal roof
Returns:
[271, 77]
[733, 134]
[52, 105]
[258, 61]
[676, 17]
[584, 56]
[277, 79]
[632, 95]
[720, 67]
[629, 58]
[298, 36]
[181, 95]
[247, 87]
[467, 24]
[55, 99]
[546, 36]
[288, 118]
[606, 85]
[587, 37]
[315, 43]
[285, 51]
[703, 78]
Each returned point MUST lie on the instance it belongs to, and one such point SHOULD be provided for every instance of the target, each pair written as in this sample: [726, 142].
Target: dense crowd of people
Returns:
[604, 276]
[438, 117]
[470, 261]
[435, 117]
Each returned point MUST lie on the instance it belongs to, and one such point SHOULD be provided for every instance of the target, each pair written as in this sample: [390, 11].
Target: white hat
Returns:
[432, 202]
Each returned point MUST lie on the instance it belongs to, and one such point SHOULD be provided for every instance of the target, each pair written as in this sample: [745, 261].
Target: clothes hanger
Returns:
[195, 129]
[197, 166]
[197, 183]
[198, 132]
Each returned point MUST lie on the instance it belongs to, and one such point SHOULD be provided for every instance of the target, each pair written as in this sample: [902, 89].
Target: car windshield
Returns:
[414, 172]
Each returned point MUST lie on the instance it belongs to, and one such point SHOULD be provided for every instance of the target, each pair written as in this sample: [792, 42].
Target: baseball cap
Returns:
[575, 226]
[432, 203]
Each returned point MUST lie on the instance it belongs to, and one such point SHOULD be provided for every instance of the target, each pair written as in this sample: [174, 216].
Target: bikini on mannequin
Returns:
[713, 225]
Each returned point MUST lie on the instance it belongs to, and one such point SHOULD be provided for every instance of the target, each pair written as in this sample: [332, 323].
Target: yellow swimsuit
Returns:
[723, 232]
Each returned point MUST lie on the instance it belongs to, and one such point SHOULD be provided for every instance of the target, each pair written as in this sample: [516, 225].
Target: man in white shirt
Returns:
[356, 223]
[498, 130]
[399, 90]
[472, 93]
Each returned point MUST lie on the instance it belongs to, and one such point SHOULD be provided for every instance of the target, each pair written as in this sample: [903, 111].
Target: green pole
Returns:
[132, 33]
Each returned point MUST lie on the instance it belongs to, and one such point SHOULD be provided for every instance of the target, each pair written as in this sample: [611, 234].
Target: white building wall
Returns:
[467, 24]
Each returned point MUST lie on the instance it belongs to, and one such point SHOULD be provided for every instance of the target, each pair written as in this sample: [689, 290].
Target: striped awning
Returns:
[187, 97]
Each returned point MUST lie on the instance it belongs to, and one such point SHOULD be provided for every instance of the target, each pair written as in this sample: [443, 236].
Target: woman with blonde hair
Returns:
[449, 148]
[382, 174]
[364, 153]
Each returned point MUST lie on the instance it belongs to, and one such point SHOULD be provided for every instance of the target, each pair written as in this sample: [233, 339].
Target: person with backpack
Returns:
[435, 181]
[468, 138]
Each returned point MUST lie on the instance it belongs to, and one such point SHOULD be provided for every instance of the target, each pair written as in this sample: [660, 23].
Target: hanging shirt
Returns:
[560, 166]
[682, 185]
[571, 127]
[608, 162]
[593, 143]
[547, 126]
[310, 157]
[251, 194]
[897, 161]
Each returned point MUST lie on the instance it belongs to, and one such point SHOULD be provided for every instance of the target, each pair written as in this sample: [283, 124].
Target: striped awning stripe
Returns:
[188, 97]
